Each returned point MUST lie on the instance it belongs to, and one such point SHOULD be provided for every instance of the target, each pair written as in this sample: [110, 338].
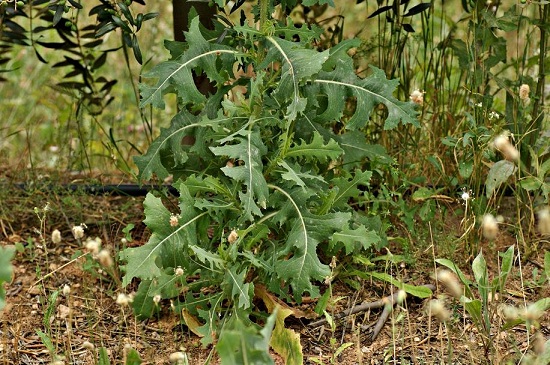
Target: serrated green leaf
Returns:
[238, 288]
[315, 149]
[356, 148]
[294, 174]
[355, 239]
[177, 75]
[530, 183]
[498, 175]
[244, 344]
[299, 64]
[141, 262]
[347, 188]
[250, 150]
[214, 260]
[342, 83]
[305, 234]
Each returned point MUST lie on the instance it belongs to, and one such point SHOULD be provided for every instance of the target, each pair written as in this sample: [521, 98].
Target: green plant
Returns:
[480, 298]
[265, 189]
[6, 254]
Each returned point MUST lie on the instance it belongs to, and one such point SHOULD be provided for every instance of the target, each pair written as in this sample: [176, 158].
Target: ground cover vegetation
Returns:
[334, 149]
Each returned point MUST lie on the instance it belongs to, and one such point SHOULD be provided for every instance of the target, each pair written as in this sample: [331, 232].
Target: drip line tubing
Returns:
[96, 189]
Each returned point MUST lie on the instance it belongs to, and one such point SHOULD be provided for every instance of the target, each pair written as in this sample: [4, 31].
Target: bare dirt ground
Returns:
[86, 314]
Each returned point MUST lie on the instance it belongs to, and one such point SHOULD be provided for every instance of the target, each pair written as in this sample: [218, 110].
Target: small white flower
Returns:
[56, 236]
[465, 196]
[417, 97]
[178, 271]
[157, 299]
[123, 240]
[174, 220]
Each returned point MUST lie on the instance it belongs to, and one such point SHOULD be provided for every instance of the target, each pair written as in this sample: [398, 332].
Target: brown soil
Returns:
[89, 312]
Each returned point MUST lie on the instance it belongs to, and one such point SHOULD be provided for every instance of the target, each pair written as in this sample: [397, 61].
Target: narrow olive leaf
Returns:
[136, 49]
[58, 15]
[380, 11]
[408, 28]
[418, 9]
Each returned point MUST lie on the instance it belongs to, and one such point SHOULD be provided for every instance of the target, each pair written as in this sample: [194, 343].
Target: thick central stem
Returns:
[264, 8]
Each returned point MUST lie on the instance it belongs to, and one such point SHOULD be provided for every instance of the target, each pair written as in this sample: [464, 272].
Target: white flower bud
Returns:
[66, 290]
[178, 271]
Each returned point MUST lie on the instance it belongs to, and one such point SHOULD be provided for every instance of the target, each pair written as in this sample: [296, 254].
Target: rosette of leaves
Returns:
[265, 163]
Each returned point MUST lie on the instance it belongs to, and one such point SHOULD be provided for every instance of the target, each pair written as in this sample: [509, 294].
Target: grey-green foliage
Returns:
[264, 193]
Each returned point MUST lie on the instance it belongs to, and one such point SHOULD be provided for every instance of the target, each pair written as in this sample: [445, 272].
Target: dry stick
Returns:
[386, 302]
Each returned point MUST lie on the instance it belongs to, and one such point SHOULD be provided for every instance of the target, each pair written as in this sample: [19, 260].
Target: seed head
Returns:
[417, 97]
[178, 358]
[178, 271]
[448, 279]
[93, 245]
[66, 290]
[104, 258]
[88, 345]
[489, 226]
[544, 221]
[438, 310]
[503, 144]
[56, 236]
[78, 231]
[524, 91]
[233, 236]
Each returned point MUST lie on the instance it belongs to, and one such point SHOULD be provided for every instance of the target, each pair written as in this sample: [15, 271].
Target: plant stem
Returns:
[264, 8]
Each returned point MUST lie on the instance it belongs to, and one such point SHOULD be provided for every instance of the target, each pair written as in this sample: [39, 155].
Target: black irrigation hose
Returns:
[118, 190]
